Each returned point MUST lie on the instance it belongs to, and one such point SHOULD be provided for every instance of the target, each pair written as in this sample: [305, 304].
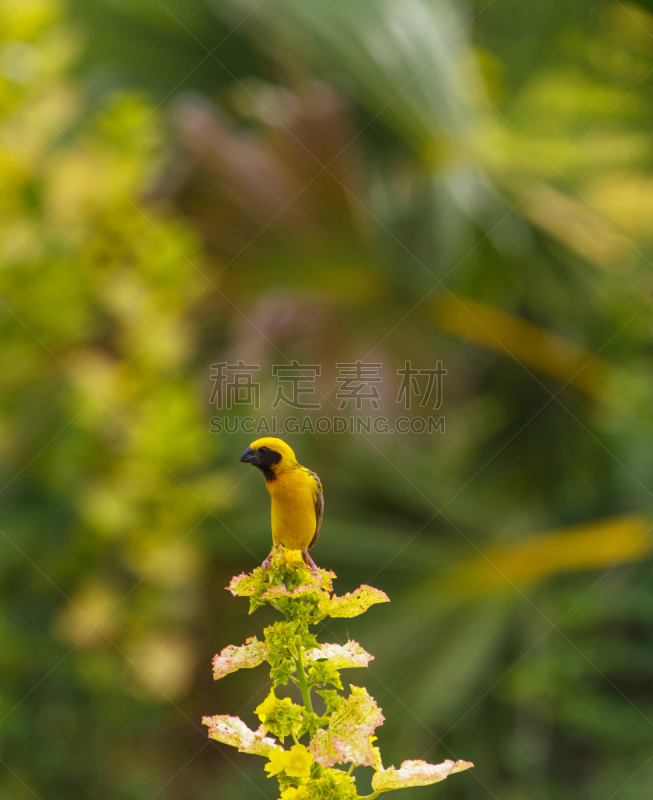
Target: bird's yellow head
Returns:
[271, 456]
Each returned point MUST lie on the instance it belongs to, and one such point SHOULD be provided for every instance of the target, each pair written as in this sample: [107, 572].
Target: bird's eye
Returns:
[263, 449]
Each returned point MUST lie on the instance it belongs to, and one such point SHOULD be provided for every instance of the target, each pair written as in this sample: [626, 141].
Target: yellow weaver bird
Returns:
[297, 498]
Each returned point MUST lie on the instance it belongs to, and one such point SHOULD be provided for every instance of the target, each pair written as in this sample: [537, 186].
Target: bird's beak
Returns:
[249, 456]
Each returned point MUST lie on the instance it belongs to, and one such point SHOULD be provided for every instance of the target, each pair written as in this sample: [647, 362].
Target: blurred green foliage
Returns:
[191, 181]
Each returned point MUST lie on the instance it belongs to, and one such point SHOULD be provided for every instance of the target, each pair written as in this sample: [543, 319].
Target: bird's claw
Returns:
[311, 564]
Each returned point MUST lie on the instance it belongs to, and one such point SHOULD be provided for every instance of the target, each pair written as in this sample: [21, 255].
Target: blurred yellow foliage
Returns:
[521, 340]
[86, 619]
[162, 666]
[575, 223]
[626, 199]
[597, 545]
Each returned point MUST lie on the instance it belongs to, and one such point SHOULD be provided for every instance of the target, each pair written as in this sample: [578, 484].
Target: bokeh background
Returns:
[186, 182]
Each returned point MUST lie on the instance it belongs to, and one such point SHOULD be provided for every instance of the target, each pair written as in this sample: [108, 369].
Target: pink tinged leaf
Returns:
[244, 585]
[276, 592]
[347, 739]
[353, 603]
[251, 654]
[416, 773]
[233, 731]
[341, 656]
[327, 576]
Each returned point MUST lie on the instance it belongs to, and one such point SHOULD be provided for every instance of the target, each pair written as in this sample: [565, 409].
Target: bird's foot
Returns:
[310, 563]
[266, 564]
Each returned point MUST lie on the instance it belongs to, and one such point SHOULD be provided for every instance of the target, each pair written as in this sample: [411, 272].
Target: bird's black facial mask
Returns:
[264, 459]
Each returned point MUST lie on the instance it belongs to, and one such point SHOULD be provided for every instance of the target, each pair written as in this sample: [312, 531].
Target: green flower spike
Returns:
[344, 733]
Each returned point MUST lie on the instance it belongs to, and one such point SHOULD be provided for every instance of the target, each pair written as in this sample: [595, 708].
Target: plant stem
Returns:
[303, 683]
[306, 693]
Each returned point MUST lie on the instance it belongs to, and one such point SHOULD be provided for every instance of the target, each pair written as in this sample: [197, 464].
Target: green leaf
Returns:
[332, 700]
[353, 603]
[280, 716]
[322, 673]
[245, 585]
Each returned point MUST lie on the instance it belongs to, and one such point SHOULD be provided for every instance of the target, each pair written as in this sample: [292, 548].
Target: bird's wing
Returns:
[319, 505]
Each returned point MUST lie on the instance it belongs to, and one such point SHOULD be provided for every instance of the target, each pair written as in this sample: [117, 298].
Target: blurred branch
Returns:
[577, 226]
[605, 543]
[524, 341]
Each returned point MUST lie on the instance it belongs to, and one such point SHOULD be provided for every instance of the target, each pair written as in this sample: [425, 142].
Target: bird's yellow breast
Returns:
[293, 509]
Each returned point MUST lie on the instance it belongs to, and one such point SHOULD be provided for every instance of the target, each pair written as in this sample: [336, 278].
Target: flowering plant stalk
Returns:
[342, 733]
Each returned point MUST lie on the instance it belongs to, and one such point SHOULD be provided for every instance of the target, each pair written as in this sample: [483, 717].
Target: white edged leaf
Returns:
[348, 737]
[248, 655]
[341, 656]
[233, 731]
[416, 773]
